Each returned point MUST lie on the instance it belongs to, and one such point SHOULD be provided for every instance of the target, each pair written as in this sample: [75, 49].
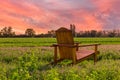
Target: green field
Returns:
[29, 58]
[30, 42]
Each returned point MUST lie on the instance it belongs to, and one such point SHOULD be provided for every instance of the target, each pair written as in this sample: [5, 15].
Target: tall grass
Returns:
[32, 63]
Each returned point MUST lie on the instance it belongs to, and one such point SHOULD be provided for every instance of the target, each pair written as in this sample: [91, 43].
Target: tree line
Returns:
[102, 33]
[29, 32]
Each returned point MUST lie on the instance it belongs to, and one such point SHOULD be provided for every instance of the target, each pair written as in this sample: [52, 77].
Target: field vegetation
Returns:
[29, 59]
[33, 42]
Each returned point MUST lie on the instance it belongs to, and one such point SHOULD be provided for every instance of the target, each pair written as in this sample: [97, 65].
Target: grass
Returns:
[32, 63]
[99, 40]
[30, 42]
[19, 62]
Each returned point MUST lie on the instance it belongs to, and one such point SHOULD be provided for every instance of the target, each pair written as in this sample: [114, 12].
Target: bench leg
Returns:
[95, 58]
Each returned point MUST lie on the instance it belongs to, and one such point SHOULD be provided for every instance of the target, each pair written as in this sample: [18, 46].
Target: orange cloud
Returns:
[45, 15]
[19, 18]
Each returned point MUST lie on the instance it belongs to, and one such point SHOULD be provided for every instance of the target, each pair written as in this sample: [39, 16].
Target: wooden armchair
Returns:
[69, 50]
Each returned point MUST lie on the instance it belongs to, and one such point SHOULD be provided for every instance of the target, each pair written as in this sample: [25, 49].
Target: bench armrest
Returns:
[63, 45]
[88, 45]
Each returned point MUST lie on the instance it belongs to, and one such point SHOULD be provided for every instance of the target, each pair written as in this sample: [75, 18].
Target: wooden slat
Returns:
[64, 38]
[69, 50]
[88, 45]
[84, 53]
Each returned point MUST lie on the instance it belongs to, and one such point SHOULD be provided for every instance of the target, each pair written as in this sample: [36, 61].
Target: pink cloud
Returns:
[20, 18]
[46, 15]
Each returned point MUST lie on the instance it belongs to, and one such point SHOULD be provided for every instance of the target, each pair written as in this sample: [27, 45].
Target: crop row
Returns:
[48, 41]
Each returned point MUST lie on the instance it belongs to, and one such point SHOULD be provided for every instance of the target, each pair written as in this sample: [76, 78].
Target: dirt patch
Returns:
[43, 48]
[110, 47]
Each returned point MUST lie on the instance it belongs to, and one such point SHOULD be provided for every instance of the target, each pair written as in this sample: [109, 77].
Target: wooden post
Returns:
[74, 55]
[95, 55]
[55, 54]
[77, 44]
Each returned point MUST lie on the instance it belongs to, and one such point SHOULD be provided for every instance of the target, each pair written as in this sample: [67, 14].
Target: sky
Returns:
[45, 15]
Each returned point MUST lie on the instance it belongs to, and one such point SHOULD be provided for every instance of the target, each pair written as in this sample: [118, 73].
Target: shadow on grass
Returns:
[51, 65]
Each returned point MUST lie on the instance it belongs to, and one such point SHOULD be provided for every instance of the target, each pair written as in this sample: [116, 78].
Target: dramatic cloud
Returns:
[44, 15]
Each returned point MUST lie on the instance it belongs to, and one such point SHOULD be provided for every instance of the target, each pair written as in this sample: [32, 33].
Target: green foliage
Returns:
[3, 75]
[7, 32]
[70, 74]
[30, 32]
[103, 74]
[52, 75]
[26, 68]
[109, 55]
[32, 63]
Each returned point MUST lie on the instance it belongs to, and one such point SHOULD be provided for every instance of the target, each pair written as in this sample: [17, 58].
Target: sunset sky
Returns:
[44, 15]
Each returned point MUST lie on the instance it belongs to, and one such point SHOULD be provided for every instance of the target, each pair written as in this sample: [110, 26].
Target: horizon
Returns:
[45, 15]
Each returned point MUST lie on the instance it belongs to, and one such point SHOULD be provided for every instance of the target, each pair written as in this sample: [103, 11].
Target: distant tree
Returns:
[93, 33]
[111, 34]
[99, 34]
[0, 33]
[51, 33]
[72, 28]
[118, 33]
[7, 32]
[30, 32]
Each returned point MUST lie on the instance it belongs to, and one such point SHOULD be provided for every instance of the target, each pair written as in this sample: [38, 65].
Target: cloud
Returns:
[44, 15]
[108, 12]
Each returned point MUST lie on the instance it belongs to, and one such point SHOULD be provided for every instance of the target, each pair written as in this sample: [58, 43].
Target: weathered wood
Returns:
[64, 39]
[95, 54]
[69, 50]
[88, 45]
[55, 55]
